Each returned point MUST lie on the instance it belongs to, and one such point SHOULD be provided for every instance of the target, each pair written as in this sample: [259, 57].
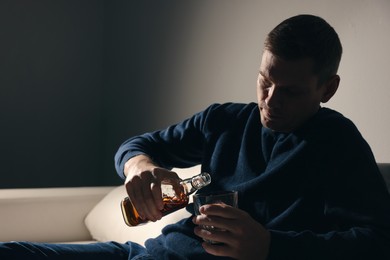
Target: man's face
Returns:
[287, 91]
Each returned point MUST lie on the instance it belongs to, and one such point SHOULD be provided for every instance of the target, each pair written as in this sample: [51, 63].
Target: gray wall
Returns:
[79, 77]
[50, 93]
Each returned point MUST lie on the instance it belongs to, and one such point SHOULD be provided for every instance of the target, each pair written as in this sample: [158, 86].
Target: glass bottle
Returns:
[171, 200]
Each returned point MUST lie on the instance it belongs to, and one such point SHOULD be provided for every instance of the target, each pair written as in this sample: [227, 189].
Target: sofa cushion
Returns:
[105, 221]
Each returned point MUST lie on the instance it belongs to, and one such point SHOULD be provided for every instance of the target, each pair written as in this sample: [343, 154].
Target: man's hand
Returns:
[143, 185]
[241, 236]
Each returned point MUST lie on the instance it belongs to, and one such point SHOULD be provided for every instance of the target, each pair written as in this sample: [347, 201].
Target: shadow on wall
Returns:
[78, 79]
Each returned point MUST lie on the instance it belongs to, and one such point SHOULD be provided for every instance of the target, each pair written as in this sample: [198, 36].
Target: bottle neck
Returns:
[195, 183]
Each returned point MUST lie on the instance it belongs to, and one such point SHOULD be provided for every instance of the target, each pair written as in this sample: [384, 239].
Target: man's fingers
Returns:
[144, 190]
[220, 209]
[149, 202]
[155, 188]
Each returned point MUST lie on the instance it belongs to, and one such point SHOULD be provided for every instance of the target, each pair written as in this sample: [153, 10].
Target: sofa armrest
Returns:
[47, 214]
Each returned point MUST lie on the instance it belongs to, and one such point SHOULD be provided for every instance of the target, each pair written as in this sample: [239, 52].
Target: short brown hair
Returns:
[307, 36]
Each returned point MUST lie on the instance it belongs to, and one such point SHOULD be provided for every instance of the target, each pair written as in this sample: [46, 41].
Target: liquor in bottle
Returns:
[171, 200]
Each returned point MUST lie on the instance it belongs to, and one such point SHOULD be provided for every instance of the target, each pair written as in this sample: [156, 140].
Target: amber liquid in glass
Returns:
[171, 204]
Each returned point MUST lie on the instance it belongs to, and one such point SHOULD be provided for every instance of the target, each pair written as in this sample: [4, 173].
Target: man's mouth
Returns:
[270, 114]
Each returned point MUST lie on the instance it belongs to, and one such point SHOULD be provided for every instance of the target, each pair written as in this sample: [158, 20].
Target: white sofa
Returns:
[81, 215]
[74, 215]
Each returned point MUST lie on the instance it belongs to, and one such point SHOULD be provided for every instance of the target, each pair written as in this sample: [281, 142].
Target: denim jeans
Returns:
[95, 251]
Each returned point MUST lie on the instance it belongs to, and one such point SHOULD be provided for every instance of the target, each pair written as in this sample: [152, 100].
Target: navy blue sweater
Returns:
[317, 190]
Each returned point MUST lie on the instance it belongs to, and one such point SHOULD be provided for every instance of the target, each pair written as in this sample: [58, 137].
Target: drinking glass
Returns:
[225, 197]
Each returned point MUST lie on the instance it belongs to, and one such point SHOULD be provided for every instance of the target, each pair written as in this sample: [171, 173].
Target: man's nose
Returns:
[273, 98]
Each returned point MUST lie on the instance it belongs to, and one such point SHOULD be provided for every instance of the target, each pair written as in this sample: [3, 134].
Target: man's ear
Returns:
[331, 86]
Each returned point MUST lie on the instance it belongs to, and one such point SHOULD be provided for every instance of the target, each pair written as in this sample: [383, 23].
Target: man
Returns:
[308, 183]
